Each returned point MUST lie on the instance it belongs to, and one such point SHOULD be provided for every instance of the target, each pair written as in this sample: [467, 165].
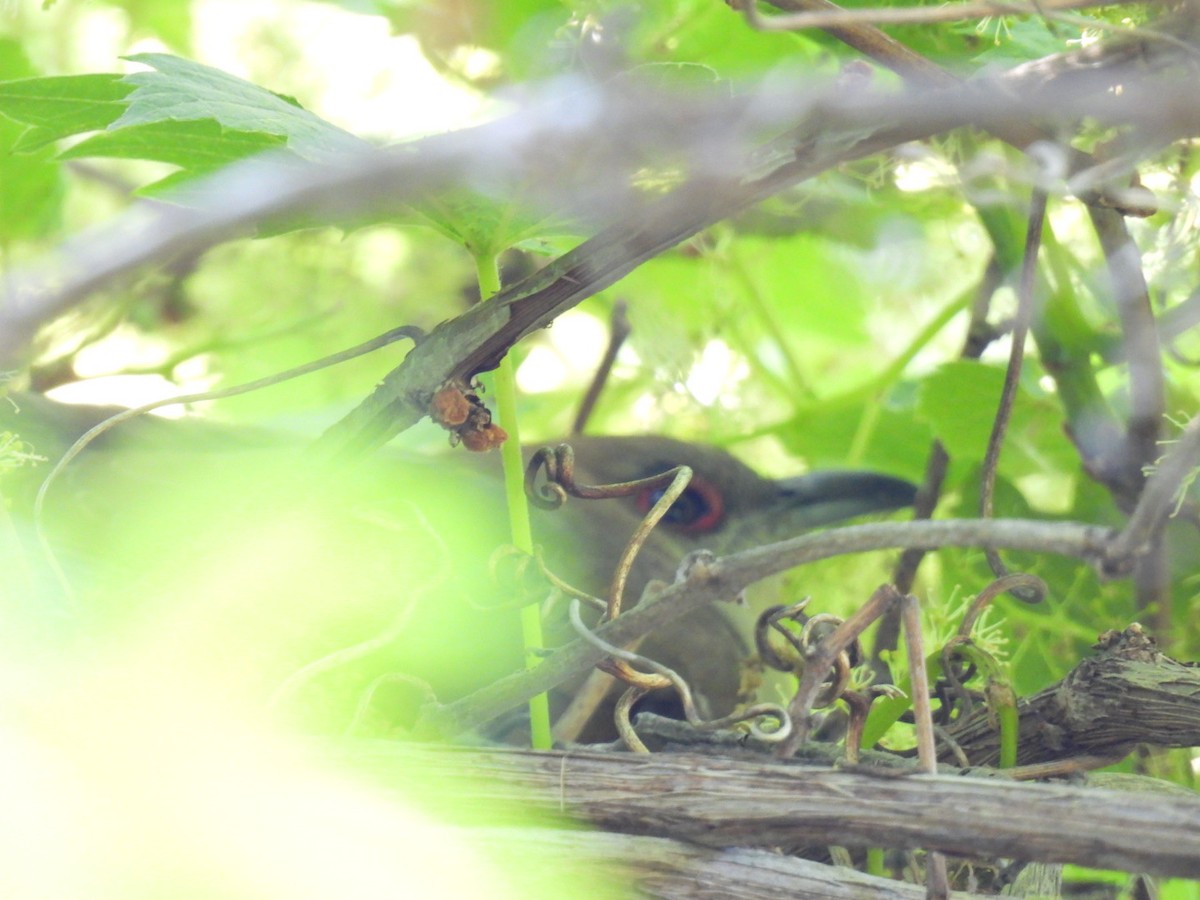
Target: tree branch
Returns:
[676, 870]
[829, 18]
[724, 578]
[720, 802]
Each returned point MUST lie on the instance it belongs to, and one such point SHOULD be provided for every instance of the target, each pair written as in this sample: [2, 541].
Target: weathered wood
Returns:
[1129, 693]
[726, 803]
[674, 870]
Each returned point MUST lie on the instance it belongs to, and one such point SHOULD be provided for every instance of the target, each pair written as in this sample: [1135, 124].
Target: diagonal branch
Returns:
[833, 132]
[833, 17]
[725, 578]
[720, 802]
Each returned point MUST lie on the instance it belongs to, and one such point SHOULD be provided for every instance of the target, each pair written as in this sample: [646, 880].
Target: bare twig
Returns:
[1146, 393]
[580, 157]
[408, 332]
[618, 332]
[868, 40]
[1026, 297]
[919, 679]
[1163, 492]
[676, 870]
[979, 337]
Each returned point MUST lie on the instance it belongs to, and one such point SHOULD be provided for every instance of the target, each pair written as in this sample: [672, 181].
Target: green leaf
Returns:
[180, 90]
[486, 226]
[719, 37]
[31, 184]
[823, 433]
[812, 287]
[61, 106]
[1015, 42]
[197, 147]
[960, 400]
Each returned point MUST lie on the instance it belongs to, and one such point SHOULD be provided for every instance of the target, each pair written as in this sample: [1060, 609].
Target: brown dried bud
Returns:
[487, 438]
[450, 407]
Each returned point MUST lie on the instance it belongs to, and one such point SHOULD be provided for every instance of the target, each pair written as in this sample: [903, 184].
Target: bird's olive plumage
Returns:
[329, 560]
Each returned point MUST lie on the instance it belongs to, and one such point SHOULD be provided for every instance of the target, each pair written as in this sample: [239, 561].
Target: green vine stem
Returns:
[488, 273]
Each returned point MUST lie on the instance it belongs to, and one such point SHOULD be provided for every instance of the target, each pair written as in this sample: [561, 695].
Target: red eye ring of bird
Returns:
[710, 494]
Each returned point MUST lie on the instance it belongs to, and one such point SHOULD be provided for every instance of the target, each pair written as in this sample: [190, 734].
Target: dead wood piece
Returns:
[729, 803]
[665, 868]
[1128, 694]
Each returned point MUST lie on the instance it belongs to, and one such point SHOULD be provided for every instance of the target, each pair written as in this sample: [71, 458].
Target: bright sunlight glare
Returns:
[355, 73]
[717, 372]
[570, 353]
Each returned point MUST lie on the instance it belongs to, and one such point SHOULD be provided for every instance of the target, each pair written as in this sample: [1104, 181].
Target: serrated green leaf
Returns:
[196, 147]
[179, 90]
[61, 106]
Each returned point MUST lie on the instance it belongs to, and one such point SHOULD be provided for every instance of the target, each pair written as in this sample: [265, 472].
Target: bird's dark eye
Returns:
[698, 509]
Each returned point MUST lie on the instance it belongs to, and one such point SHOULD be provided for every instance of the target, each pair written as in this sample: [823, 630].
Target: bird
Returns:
[725, 508]
[294, 568]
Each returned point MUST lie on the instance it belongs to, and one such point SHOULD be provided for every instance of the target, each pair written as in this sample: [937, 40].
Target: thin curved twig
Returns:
[619, 330]
[393, 631]
[1021, 585]
[819, 661]
[558, 464]
[670, 678]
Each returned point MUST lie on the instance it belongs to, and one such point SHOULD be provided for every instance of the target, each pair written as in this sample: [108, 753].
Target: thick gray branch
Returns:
[723, 802]
[666, 868]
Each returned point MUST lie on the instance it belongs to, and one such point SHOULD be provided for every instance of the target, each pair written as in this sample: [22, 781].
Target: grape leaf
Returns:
[485, 225]
[58, 107]
[959, 402]
[179, 90]
[197, 146]
[181, 112]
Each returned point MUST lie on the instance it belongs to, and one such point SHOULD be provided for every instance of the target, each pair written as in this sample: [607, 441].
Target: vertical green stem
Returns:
[1010, 732]
[518, 507]
[875, 861]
